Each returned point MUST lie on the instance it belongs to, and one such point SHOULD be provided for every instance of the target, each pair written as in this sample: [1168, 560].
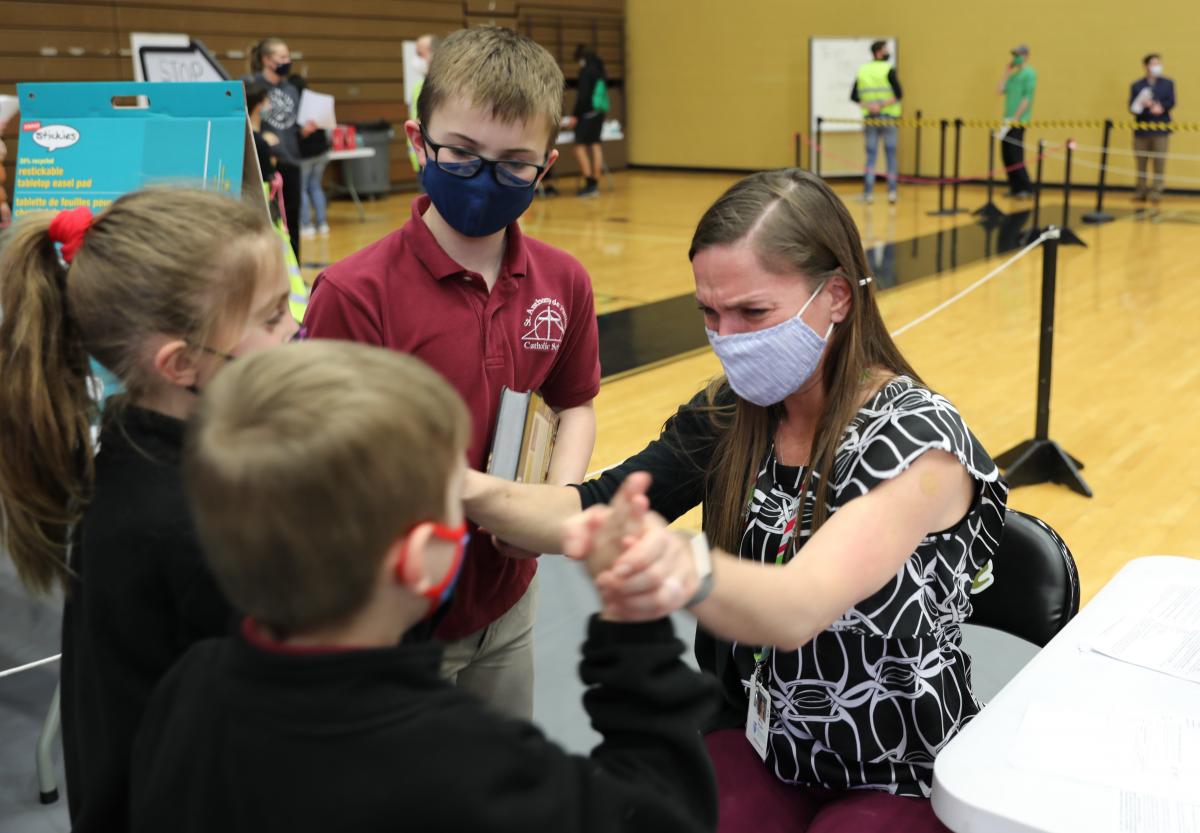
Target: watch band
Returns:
[702, 559]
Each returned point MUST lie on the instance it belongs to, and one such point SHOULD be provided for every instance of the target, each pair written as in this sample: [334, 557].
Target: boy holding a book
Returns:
[461, 287]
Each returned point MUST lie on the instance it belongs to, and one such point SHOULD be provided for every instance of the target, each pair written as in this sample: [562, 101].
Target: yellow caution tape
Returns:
[1038, 124]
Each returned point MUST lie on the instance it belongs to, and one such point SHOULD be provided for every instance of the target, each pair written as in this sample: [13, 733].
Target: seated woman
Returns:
[848, 507]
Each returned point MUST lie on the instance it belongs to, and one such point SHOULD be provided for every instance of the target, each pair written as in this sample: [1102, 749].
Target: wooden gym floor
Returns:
[1127, 353]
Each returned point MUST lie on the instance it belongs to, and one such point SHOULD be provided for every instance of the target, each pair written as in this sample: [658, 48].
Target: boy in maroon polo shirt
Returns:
[462, 288]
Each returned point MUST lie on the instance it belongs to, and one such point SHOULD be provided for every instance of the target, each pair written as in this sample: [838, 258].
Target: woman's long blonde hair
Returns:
[165, 261]
[797, 226]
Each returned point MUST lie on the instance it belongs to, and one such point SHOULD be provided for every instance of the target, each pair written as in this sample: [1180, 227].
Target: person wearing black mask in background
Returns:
[271, 63]
[591, 106]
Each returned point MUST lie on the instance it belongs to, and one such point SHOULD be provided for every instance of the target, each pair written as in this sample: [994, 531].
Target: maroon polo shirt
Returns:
[535, 330]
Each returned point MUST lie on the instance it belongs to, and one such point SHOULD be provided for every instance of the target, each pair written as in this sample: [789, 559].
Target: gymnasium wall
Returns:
[718, 84]
[349, 49]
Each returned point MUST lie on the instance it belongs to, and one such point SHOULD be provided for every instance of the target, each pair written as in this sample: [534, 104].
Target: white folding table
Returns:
[348, 174]
[985, 780]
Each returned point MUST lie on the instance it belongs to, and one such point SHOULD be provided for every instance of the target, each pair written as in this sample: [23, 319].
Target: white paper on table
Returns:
[9, 105]
[1148, 814]
[1153, 754]
[318, 108]
[1165, 637]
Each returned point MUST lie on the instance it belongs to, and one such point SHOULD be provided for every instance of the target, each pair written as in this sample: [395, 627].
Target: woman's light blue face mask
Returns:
[767, 366]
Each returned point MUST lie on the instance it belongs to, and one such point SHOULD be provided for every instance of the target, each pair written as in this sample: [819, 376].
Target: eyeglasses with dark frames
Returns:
[464, 163]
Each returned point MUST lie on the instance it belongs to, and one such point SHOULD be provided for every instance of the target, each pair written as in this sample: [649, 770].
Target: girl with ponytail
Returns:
[162, 289]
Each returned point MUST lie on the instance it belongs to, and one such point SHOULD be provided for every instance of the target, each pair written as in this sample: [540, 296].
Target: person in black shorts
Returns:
[588, 118]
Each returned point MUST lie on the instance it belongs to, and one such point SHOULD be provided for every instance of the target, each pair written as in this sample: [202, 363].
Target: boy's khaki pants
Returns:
[496, 663]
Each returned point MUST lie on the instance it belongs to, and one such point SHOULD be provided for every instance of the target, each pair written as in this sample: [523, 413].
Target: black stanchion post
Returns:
[1041, 459]
[1099, 215]
[1035, 231]
[942, 166]
[989, 212]
[917, 153]
[796, 145]
[941, 209]
[1069, 238]
[817, 146]
[958, 123]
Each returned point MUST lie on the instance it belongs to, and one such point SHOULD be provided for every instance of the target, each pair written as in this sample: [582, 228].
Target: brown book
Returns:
[523, 442]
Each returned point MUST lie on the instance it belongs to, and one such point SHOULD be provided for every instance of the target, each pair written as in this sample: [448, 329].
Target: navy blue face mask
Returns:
[475, 205]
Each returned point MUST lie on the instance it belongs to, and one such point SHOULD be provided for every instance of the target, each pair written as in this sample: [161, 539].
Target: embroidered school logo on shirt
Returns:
[545, 325]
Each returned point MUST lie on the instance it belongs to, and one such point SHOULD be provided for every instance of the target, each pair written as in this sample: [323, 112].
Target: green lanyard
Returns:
[761, 655]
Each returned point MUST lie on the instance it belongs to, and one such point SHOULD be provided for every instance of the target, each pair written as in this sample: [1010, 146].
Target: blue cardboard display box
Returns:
[85, 144]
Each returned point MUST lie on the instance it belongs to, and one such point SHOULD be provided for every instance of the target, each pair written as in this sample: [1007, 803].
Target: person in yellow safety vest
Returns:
[297, 288]
[877, 89]
[256, 104]
[426, 44]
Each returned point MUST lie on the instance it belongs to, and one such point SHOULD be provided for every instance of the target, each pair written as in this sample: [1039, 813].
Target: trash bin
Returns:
[373, 176]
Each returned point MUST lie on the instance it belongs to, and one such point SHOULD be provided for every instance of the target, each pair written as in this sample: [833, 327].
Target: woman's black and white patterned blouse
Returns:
[872, 700]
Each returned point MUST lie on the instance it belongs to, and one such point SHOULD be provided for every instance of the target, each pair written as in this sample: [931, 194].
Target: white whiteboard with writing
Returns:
[832, 67]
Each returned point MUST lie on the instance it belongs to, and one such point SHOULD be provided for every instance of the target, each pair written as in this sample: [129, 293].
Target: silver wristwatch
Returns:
[702, 559]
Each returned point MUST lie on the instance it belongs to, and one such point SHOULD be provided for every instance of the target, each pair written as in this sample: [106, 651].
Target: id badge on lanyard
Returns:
[758, 712]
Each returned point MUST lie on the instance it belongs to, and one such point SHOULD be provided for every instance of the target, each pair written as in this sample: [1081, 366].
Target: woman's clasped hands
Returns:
[642, 569]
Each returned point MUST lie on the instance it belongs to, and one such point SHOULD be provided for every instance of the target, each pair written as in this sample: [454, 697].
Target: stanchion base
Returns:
[1098, 217]
[989, 214]
[1042, 461]
[1006, 459]
[946, 212]
[1070, 238]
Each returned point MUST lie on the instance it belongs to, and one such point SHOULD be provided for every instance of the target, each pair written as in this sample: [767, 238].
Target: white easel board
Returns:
[163, 56]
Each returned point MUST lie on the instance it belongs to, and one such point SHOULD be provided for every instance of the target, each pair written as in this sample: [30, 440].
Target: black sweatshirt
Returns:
[141, 597]
[244, 737]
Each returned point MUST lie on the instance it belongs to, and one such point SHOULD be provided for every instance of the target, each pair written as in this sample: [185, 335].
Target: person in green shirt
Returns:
[1017, 87]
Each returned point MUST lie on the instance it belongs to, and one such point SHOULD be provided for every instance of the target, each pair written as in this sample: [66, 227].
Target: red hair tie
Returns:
[68, 229]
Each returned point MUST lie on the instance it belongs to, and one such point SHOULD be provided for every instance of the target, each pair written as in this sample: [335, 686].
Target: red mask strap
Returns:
[454, 534]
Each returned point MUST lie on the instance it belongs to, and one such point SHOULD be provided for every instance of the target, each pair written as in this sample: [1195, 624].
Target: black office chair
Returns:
[1034, 587]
